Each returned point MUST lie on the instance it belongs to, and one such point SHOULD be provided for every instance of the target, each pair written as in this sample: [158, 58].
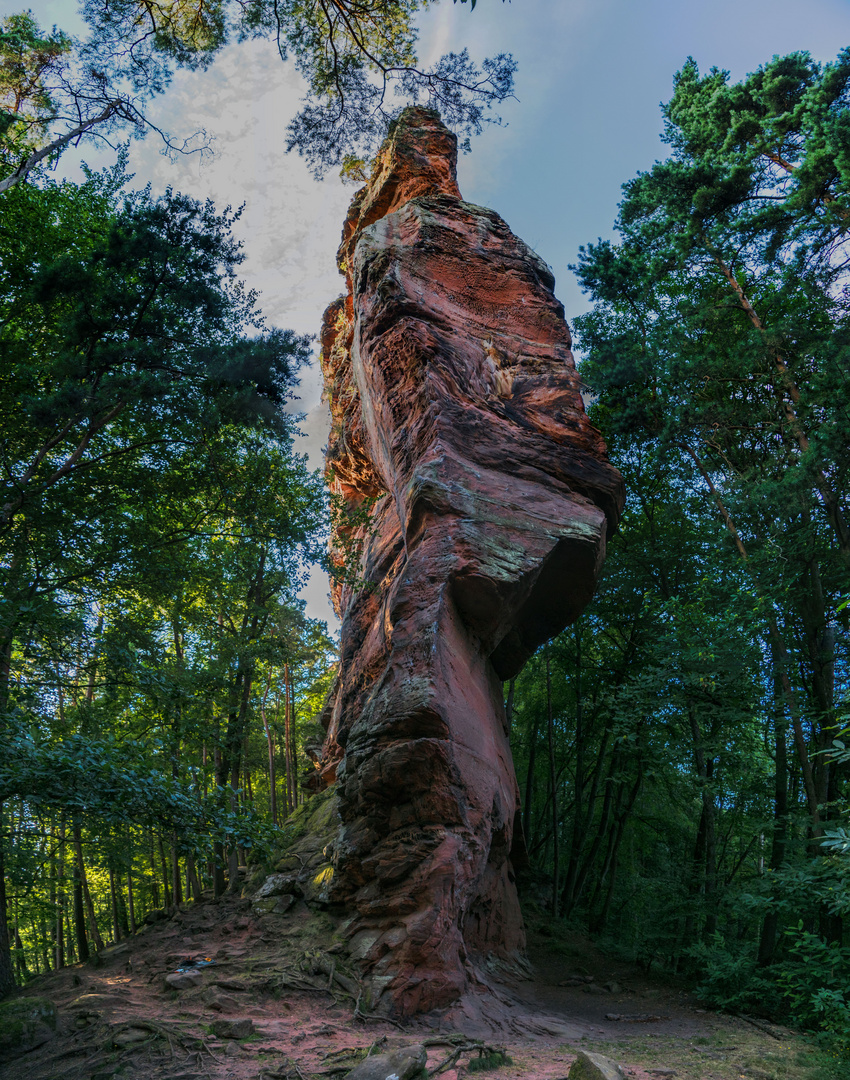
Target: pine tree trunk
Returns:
[553, 782]
[193, 883]
[7, 973]
[287, 736]
[176, 884]
[580, 811]
[270, 745]
[509, 707]
[163, 865]
[570, 902]
[131, 904]
[113, 906]
[705, 859]
[154, 881]
[59, 956]
[80, 935]
[529, 785]
[94, 931]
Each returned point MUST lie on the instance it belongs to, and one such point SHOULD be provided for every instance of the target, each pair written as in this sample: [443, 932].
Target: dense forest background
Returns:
[680, 750]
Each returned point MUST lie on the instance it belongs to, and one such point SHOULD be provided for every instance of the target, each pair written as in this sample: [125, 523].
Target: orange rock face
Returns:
[473, 499]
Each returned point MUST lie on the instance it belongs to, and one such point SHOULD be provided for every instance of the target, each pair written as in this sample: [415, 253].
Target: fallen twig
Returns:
[465, 1047]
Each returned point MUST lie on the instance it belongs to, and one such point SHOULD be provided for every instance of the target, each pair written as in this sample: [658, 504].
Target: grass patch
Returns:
[489, 1061]
[729, 1055]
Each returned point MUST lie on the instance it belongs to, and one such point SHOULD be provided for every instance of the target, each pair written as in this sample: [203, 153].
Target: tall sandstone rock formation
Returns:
[474, 499]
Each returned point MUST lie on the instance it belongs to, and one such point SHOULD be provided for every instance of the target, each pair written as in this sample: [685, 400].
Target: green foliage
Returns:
[698, 700]
[730, 978]
[358, 60]
[155, 525]
[29, 61]
[814, 976]
[806, 985]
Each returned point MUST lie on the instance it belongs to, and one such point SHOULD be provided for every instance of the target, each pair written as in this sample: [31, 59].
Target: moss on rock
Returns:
[304, 836]
[25, 1023]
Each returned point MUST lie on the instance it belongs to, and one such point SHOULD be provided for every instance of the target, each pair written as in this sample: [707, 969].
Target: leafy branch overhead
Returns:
[55, 91]
[358, 59]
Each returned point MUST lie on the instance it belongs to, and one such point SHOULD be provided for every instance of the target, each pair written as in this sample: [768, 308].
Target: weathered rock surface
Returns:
[403, 1064]
[595, 1067]
[25, 1023]
[475, 501]
[233, 1029]
[183, 980]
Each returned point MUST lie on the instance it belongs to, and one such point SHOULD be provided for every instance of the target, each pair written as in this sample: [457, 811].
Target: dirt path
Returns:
[120, 1019]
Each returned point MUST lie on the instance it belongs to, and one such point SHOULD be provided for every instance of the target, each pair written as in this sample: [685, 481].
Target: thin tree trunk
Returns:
[113, 905]
[579, 815]
[270, 745]
[91, 918]
[235, 765]
[70, 947]
[778, 650]
[707, 859]
[287, 729]
[79, 909]
[770, 925]
[163, 865]
[193, 883]
[293, 754]
[609, 869]
[529, 784]
[7, 972]
[131, 903]
[553, 782]
[176, 884]
[601, 829]
[154, 880]
[59, 956]
[509, 708]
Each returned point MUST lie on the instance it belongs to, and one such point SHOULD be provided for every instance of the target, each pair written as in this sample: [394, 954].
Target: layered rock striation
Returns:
[473, 498]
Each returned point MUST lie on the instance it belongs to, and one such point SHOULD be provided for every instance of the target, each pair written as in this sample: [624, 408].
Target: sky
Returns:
[586, 118]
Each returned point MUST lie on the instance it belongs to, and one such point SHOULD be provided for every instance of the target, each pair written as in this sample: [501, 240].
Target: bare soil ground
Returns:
[118, 1017]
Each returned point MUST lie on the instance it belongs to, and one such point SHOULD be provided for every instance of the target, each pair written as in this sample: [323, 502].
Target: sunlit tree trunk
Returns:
[270, 745]
[113, 906]
[287, 735]
[7, 974]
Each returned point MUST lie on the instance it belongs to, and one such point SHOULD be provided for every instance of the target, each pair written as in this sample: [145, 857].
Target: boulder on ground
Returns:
[155, 916]
[595, 1067]
[183, 980]
[278, 885]
[25, 1023]
[130, 1036]
[233, 1029]
[401, 1064]
[273, 905]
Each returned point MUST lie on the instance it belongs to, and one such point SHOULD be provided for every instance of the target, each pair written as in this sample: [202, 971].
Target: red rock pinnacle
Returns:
[474, 499]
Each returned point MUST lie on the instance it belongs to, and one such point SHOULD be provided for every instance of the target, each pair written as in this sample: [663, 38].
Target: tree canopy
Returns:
[358, 59]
